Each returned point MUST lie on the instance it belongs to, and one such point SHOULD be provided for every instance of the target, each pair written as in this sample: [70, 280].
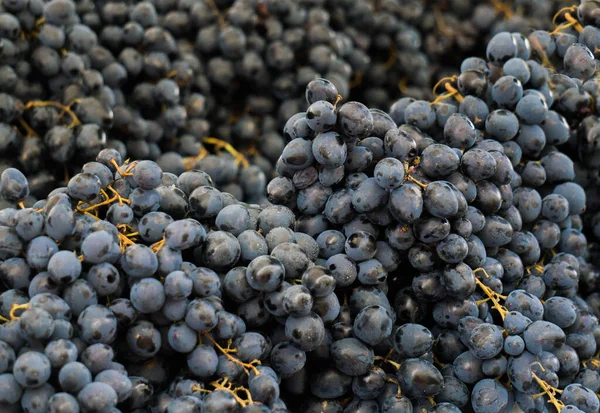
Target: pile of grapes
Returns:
[299, 206]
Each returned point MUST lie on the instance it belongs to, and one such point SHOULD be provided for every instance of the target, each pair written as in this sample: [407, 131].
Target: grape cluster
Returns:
[79, 78]
[463, 210]
[321, 255]
[158, 80]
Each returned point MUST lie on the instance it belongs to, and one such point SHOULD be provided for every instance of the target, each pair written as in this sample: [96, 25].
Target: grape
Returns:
[178, 180]
[489, 396]
[373, 324]
[97, 396]
[305, 332]
[514, 345]
[118, 381]
[12, 391]
[32, 369]
[13, 185]
[412, 368]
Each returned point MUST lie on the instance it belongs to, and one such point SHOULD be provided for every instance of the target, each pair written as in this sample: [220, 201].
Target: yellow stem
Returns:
[190, 161]
[441, 23]
[537, 363]
[127, 171]
[393, 380]
[114, 163]
[246, 366]
[246, 393]
[441, 97]
[385, 360]
[422, 185]
[216, 12]
[108, 201]
[197, 388]
[118, 196]
[16, 307]
[550, 392]
[124, 242]
[561, 27]
[402, 84]
[545, 61]
[389, 63]
[494, 296]
[88, 214]
[454, 92]
[409, 177]
[157, 245]
[28, 129]
[220, 144]
[503, 8]
[337, 100]
[564, 9]
[41, 103]
[356, 80]
[442, 80]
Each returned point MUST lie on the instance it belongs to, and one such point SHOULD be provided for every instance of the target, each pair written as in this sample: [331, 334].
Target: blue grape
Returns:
[32, 369]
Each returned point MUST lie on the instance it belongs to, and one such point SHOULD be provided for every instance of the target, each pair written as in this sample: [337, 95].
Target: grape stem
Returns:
[337, 100]
[216, 12]
[493, 297]
[190, 161]
[118, 196]
[66, 109]
[226, 385]
[127, 171]
[451, 91]
[543, 56]
[385, 360]
[393, 380]
[409, 177]
[226, 352]
[124, 242]
[389, 63]
[539, 268]
[593, 361]
[16, 307]
[30, 132]
[197, 388]
[503, 8]
[571, 21]
[402, 85]
[157, 246]
[550, 392]
[356, 80]
[220, 144]
[483, 271]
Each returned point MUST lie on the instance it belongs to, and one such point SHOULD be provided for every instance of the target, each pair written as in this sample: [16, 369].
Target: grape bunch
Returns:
[469, 203]
[161, 80]
[192, 222]
[79, 78]
[98, 296]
